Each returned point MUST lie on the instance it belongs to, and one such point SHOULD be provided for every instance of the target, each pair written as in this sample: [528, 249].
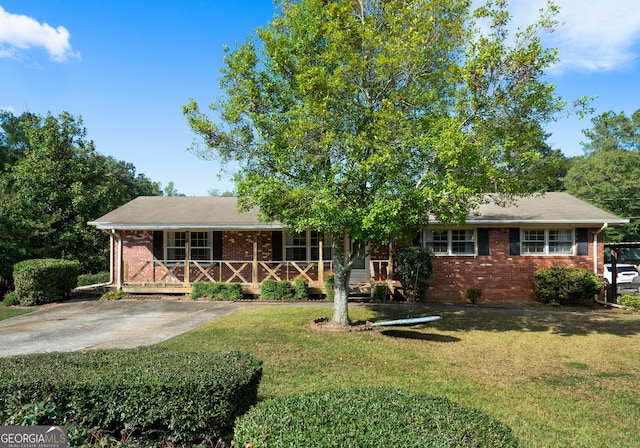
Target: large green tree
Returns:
[13, 138]
[607, 175]
[361, 119]
[53, 183]
[611, 132]
[609, 180]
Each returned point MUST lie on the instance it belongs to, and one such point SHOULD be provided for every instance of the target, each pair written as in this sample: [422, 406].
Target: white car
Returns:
[626, 273]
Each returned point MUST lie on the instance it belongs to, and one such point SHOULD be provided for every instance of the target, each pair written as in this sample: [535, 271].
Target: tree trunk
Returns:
[340, 296]
[342, 265]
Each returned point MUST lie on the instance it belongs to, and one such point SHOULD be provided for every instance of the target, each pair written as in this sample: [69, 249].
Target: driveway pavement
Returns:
[92, 324]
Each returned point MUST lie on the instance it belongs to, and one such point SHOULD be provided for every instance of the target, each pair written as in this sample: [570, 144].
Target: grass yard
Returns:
[7, 312]
[559, 379]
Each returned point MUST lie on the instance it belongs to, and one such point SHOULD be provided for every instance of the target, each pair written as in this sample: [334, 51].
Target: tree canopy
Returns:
[53, 182]
[361, 119]
[607, 175]
[611, 132]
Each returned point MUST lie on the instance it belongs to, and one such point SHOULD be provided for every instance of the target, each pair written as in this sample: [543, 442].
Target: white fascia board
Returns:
[537, 222]
[114, 226]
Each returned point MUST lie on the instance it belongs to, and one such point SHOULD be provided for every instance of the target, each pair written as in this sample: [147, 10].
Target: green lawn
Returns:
[7, 312]
[559, 379]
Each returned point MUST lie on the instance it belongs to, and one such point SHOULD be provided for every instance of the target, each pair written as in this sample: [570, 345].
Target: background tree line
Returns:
[606, 175]
[52, 181]
[608, 172]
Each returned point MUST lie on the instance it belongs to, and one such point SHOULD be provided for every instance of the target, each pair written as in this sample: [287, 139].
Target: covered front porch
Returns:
[178, 276]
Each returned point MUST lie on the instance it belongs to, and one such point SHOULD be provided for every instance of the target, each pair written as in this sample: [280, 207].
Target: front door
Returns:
[360, 272]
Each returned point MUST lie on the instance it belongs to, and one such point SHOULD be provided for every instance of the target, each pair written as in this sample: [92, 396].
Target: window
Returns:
[305, 246]
[533, 241]
[438, 241]
[451, 242]
[547, 241]
[296, 246]
[200, 246]
[176, 245]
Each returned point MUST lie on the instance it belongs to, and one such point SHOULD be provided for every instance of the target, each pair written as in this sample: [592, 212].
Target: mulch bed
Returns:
[324, 324]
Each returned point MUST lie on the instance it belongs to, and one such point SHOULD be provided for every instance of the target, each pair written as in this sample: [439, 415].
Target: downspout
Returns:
[595, 247]
[595, 263]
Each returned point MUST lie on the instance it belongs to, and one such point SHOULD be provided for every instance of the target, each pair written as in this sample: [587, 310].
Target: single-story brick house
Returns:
[155, 240]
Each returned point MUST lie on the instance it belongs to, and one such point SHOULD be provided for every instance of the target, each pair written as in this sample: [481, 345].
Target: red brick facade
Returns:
[500, 275]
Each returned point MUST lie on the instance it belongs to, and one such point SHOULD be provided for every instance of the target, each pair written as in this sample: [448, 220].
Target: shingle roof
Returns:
[174, 212]
[162, 212]
[550, 208]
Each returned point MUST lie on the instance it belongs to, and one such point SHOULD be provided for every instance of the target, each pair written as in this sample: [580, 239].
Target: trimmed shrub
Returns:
[217, 290]
[630, 302]
[93, 279]
[413, 269]
[328, 286]
[276, 290]
[368, 417]
[269, 290]
[301, 289]
[44, 281]
[380, 293]
[474, 294]
[156, 395]
[559, 284]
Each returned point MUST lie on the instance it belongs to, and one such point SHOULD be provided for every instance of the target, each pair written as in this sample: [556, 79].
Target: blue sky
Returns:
[127, 67]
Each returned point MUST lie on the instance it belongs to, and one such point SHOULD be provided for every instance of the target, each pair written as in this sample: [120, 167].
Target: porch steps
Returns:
[360, 290]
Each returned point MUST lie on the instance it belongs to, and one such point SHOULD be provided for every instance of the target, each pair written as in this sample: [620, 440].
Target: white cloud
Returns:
[596, 35]
[22, 32]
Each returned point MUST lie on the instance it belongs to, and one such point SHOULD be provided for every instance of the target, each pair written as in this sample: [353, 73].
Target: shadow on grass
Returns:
[562, 323]
[408, 334]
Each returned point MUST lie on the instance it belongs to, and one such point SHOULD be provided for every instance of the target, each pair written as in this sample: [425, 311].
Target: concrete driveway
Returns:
[92, 324]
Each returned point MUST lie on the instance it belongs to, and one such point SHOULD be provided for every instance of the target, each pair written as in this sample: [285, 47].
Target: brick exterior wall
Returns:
[502, 277]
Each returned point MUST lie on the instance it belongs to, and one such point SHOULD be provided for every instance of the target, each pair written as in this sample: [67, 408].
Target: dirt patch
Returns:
[324, 324]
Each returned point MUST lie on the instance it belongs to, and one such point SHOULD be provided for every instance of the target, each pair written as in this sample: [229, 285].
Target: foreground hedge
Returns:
[368, 417]
[157, 394]
[44, 281]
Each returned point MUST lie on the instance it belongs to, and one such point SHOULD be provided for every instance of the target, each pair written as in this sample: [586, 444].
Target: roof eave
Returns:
[123, 226]
[508, 222]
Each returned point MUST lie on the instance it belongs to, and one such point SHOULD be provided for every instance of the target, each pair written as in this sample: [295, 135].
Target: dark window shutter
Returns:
[276, 243]
[417, 239]
[483, 241]
[583, 241]
[158, 240]
[514, 241]
[217, 245]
